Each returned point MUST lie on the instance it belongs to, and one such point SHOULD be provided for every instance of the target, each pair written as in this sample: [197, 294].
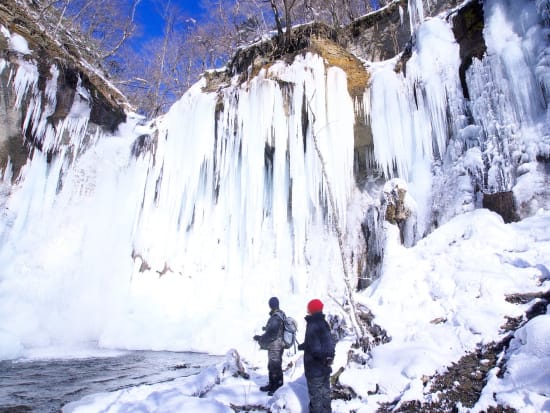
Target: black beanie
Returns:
[274, 303]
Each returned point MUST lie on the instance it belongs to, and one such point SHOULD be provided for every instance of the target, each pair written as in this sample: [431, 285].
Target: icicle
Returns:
[25, 80]
[506, 47]
[4, 31]
[409, 115]
[38, 109]
[74, 125]
[51, 86]
[8, 172]
[416, 14]
[253, 171]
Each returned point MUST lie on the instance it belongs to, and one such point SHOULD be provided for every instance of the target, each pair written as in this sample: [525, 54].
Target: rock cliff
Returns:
[43, 81]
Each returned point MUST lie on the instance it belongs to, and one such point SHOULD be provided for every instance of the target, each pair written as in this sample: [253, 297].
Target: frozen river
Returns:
[45, 385]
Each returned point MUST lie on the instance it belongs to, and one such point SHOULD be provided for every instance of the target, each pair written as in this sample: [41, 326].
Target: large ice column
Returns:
[416, 14]
[506, 97]
[415, 112]
[242, 177]
[66, 225]
[410, 114]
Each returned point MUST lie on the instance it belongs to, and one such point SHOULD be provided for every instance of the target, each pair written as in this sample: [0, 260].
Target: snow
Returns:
[212, 390]
[460, 274]
[525, 383]
[242, 197]
[16, 42]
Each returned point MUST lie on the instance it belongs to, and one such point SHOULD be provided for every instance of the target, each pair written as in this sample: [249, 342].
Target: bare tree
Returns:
[286, 6]
[125, 31]
[250, 19]
[177, 58]
[103, 26]
[165, 67]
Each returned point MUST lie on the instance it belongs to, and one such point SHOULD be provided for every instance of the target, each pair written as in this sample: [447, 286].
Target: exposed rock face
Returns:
[396, 209]
[39, 88]
[502, 203]
[379, 36]
[385, 34]
[468, 30]
[11, 143]
[394, 203]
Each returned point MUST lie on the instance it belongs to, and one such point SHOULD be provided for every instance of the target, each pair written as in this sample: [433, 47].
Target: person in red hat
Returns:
[318, 347]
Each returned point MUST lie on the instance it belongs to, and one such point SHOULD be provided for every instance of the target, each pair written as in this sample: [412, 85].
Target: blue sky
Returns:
[149, 18]
[148, 14]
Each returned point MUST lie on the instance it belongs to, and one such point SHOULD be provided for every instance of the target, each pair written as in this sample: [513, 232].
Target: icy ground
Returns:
[437, 301]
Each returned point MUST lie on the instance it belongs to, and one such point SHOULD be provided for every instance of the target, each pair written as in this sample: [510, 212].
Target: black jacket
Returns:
[318, 346]
[273, 330]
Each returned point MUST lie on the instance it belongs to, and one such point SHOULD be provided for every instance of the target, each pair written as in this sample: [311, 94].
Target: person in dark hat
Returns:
[318, 347]
[272, 341]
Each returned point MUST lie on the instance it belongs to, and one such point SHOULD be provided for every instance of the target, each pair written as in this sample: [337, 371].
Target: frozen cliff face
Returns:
[50, 115]
[53, 113]
[46, 106]
[51, 97]
[508, 105]
[255, 186]
[227, 198]
[248, 180]
[467, 116]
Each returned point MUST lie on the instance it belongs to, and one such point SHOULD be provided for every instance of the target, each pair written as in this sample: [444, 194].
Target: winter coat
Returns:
[318, 346]
[272, 338]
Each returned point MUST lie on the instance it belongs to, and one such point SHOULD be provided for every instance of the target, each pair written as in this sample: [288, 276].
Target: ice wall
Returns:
[415, 112]
[152, 237]
[253, 168]
[236, 201]
[451, 150]
[507, 135]
[236, 205]
[62, 267]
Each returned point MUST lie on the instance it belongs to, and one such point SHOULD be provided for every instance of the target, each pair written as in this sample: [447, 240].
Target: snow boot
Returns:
[278, 382]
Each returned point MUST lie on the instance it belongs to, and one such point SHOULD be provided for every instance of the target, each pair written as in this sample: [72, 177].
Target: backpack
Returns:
[289, 330]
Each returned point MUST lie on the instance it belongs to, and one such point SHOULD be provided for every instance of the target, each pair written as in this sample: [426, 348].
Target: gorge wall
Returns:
[277, 175]
[41, 81]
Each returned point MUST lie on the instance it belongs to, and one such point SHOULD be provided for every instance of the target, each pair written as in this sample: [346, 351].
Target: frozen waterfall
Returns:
[234, 195]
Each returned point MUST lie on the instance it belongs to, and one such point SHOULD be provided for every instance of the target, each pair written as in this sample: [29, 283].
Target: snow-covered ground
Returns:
[459, 275]
[234, 198]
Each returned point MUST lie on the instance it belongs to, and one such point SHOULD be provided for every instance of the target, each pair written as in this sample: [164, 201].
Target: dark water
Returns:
[44, 386]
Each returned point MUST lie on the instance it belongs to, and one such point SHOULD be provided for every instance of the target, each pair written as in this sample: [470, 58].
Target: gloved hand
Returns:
[301, 346]
[328, 361]
[257, 337]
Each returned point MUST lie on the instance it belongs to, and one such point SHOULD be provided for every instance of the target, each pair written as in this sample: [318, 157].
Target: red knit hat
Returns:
[314, 306]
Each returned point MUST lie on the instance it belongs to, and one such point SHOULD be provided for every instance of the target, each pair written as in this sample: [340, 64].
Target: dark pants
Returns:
[275, 366]
[319, 394]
